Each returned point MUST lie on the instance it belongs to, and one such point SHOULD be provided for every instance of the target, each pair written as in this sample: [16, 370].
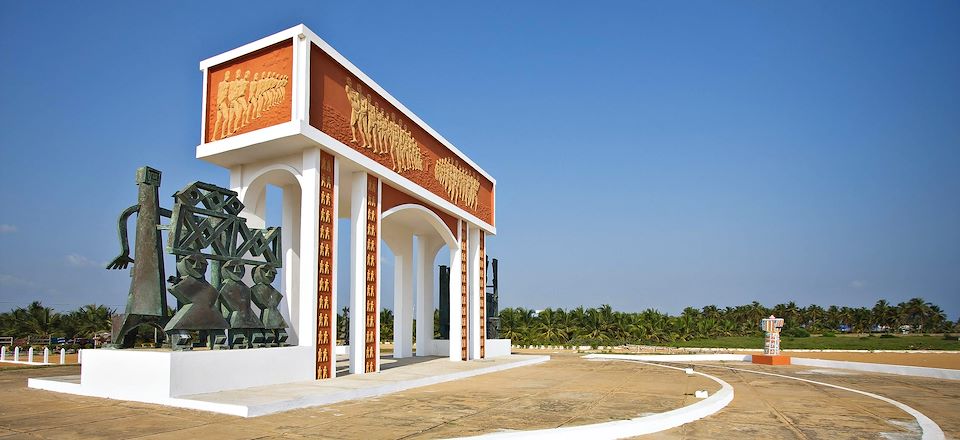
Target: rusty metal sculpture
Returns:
[204, 226]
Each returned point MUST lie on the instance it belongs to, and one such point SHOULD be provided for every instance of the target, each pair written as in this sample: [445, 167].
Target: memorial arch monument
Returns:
[290, 111]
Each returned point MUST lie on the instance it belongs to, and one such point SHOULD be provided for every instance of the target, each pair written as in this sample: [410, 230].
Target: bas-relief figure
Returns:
[240, 100]
[381, 134]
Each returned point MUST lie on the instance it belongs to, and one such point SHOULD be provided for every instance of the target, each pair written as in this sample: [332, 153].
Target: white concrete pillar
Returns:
[427, 248]
[63, 356]
[3, 353]
[30, 355]
[334, 281]
[401, 243]
[455, 304]
[473, 291]
[306, 307]
[46, 355]
[358, 268]
[16, 354]
[290, 244]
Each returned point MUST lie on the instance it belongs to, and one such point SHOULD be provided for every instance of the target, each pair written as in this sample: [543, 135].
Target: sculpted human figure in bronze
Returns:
[147, 301]
[199, 311]
[235, 297]
[267, 298]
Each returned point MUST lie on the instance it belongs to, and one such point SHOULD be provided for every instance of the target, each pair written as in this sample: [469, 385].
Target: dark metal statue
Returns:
[204, 225]
[147, 300]
[493, 302]
[235, 297]
[444, 302]
[267, 298]
[200, 311]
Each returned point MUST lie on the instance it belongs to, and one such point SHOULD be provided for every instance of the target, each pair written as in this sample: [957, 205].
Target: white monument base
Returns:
[152, 376]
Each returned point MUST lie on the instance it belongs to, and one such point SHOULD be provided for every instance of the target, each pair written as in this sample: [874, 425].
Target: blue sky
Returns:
[648, 154]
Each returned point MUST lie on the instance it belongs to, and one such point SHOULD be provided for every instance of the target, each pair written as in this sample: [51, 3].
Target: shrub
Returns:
[828, 335]
[796, 332]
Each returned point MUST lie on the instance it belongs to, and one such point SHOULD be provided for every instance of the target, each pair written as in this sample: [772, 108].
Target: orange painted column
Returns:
[326, 317]
[372, 348]
[463, 291]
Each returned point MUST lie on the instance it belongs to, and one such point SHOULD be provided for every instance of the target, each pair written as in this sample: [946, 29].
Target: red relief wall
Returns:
[326, 339]
[392, 197]
[373, 241]
[250, 102]
[330, 112]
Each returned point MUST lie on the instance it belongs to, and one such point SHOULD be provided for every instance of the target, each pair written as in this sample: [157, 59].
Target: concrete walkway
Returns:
[396, 376]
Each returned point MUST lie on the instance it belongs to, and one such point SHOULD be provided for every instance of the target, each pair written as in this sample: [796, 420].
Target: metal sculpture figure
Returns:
[493, 303]
[267, 298]
[235, 297]
[147, 300]
[199, 311]
[204, 225]
[771, 327]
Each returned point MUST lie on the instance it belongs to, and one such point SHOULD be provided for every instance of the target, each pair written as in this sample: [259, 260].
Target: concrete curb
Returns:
[903, 370]
[633, 427]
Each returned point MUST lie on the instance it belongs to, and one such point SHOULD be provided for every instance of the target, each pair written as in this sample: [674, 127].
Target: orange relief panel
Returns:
[249, 92]
[326, 339]
[350, 111]
[372, 332]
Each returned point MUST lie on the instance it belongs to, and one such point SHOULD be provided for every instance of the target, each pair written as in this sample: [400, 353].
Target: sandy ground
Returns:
[565, 391]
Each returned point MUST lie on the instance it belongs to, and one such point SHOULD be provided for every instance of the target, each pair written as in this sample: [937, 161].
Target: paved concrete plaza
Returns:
[565, 391]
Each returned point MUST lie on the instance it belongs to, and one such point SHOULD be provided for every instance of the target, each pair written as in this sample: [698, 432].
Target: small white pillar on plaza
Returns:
[30, 355]
[63, 356]
[46, 355]
[3, 353]
[16, 354]
[79, 355]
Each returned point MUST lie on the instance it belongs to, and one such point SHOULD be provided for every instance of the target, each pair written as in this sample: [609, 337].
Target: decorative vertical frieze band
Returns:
[373, 241]
[483, 295]
[326, 338]
[463, 290]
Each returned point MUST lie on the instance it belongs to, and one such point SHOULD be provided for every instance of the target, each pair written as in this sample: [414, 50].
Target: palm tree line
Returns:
[36, 320]
[605, 326]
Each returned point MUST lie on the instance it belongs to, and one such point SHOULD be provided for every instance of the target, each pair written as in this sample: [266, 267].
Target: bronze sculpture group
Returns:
[205, 229]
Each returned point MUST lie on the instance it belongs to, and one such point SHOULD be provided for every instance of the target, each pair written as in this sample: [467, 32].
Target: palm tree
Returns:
[549, 327]
[814, 316]
[915, 311]
[386, 325]
[41, 321]
[883, 314]
[91, 320]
